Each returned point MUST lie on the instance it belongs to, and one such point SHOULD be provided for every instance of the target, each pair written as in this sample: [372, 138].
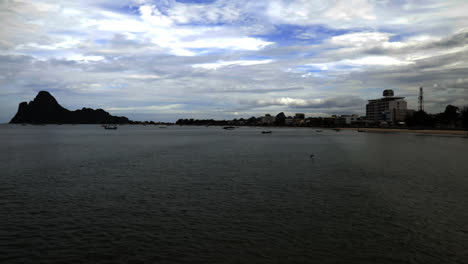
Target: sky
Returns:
[162, 60]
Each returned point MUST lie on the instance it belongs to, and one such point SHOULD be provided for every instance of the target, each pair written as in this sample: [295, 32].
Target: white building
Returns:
[350, 119]
[389, 108]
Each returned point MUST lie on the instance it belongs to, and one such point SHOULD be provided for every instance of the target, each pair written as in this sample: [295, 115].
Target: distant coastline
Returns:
[45, 109]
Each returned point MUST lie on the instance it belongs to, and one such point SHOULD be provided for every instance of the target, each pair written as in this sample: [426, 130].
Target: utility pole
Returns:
[421, 100]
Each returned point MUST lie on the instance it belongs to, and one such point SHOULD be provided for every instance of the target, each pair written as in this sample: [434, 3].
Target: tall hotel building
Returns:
[390, 108]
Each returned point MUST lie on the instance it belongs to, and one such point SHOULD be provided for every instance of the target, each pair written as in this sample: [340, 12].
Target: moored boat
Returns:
[110, 127]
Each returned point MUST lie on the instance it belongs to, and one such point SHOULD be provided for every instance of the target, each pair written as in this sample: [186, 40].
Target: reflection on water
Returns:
[74, 194]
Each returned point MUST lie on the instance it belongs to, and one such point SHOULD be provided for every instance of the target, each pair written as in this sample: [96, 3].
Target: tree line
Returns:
[452, 117]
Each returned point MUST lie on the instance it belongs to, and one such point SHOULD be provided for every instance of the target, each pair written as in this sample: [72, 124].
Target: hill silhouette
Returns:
[45, 109]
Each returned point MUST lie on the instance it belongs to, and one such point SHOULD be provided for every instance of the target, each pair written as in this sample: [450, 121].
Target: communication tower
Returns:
[421, 100]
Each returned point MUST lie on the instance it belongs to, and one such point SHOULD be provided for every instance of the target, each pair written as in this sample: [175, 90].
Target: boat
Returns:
[110, 127]
[337, 129]
[266, 132]
[229, 127]
[318, 130]
[361, 130]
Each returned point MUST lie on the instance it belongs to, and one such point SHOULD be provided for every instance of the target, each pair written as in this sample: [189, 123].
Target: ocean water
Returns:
[82, 194]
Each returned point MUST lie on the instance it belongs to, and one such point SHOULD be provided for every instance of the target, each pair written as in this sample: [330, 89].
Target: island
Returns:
[45, 109]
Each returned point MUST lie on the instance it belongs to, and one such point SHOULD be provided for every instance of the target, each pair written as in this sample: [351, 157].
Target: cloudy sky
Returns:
[167, 59]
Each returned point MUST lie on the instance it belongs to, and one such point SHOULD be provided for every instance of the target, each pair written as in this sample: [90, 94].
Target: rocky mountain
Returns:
[44, 109]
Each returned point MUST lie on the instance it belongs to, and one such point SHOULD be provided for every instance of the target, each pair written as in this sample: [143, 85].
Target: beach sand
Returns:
[415, 131]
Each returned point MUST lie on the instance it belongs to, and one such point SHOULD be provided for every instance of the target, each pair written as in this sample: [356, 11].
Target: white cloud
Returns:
[305, 12]
[150, 23]
[151, 108]
[361, 39]
[376, 61]
[288, 101]
[242, 43]
[83, 58]
[220, 64]
[350, 9]
[363, 63]
[143, 76]
[65, 44]
[161, 30]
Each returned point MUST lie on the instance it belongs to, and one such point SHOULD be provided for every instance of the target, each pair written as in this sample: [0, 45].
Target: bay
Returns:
[144, 194]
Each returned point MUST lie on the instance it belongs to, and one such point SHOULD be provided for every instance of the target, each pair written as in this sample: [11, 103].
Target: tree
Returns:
[420, 119]
[252, 120]
[464, 116]
[451, 112]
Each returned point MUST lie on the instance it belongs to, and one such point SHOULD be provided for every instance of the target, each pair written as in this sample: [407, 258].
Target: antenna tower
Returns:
[421, 100]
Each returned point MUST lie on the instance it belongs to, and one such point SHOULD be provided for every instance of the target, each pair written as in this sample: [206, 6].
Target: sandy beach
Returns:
[415, 131]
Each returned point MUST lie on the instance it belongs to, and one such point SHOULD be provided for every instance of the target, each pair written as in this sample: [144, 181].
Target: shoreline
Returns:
[368, 130]
[413, 131]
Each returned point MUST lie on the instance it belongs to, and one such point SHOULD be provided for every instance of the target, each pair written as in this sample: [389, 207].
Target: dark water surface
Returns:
[82, 194]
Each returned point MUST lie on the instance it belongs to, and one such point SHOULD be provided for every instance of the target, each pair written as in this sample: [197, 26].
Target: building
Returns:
[289, 121]
[345, 120]
[390, 108]
[349, 119]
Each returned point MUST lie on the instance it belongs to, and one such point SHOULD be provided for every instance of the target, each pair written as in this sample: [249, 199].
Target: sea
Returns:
[186, 194]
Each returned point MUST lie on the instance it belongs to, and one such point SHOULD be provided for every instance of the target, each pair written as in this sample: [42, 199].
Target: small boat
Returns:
[361, 130]
[229, 127]
[337, 129]
[318, 130]
[110, 127]
[266, 132]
